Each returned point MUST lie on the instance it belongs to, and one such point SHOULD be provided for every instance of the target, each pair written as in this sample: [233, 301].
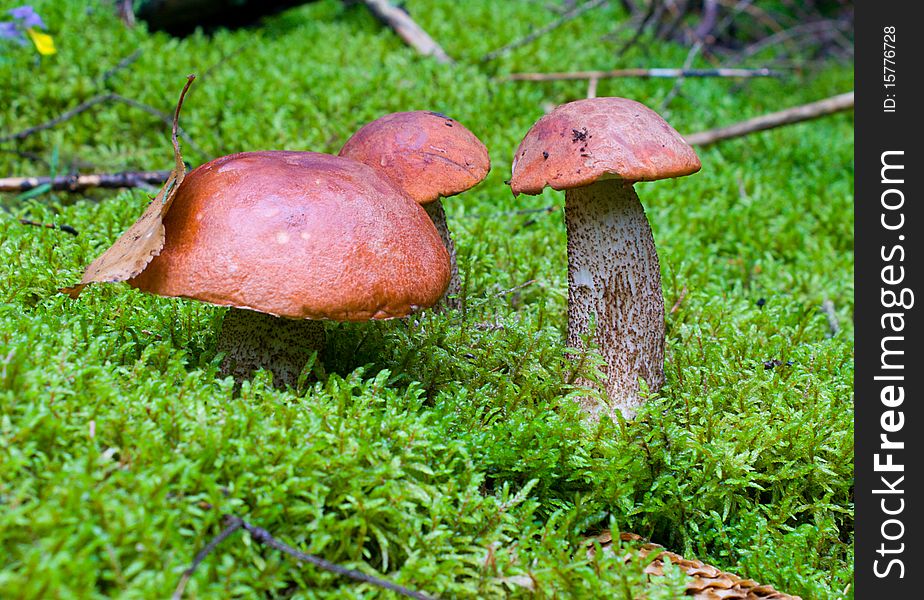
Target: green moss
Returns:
[444, 452]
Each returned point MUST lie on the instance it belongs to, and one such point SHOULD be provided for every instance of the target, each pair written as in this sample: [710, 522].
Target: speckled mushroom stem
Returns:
[252, 340]
[614, 280]
[451, 298]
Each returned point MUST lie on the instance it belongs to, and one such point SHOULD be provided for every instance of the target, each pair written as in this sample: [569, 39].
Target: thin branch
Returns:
[678, 83]
[796, 114]
[515, 288]
[409, 31]
[80, 183]
[651, 16]
[262, 536]
[523, 211]
[680, 299]
[64, 228]
[592, 87]
[166, 118]
[708, 21]
[121, 65]
[232, 526]
[646, 73]
[87, 105]
[69, 114]
[805, 29]
[568, 16]
[834, 325]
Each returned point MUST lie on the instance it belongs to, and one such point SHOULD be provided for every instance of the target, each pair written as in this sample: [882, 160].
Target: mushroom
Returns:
[428, 155]
[595, 150]
[289, 239]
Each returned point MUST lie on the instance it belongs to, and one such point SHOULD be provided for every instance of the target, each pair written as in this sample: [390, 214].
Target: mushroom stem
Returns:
[614, 282]
[451, 298]
[253, 340]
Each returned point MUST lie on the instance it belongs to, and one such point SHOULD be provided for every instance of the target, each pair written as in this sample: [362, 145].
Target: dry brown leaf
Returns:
[144, 240]
[706, 583]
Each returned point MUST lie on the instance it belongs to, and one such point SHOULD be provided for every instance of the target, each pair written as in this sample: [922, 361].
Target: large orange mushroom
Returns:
[288, 240]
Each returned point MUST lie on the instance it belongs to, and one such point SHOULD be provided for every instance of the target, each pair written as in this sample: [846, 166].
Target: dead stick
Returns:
[79, 183]
[232, 526]
[69, 114]
[796, 114]
[568, 16]
[646, 73]
[262, 536]
[409, 31]
[87, 105]
[64, 228]
[827, 307]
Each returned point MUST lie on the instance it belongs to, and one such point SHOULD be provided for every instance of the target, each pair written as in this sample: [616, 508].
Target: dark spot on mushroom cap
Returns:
[545, 155]
[579, 136]
[440, 115]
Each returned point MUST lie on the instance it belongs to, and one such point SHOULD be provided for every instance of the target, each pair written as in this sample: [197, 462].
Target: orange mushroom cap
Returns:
[598, 138]
[299, 235]
[426, 154]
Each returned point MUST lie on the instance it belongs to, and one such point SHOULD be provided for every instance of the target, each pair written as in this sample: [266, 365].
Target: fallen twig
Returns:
[796, 114]
[64, 228]
[66, 115]
[262, 536]
[79, 183]
[830, 27]
[647, 73]
[87, 105]
[231, 527]
[515, 288]
[568, 16]
[122, 64]
[409, 31]
[834, 325]
[678, 83]
[507, 213]
[680, 299]
[652, 15]
[704, 581]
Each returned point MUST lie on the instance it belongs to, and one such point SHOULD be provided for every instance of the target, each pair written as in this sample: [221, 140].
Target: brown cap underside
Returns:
[426, 154]
[586, 140]
[299, 235]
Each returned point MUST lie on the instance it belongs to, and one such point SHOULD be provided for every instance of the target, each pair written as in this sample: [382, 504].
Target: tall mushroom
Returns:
[595, 150]
[429, 156]
[289, 239]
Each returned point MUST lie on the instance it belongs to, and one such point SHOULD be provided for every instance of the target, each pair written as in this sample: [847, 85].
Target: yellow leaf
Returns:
[131, 253]
[43, 42]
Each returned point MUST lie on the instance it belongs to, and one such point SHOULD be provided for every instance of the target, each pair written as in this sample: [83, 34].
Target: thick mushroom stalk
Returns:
[252, 340]
[614, 288]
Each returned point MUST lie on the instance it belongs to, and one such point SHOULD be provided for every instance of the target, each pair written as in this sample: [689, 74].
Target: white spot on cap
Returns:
[282, 237]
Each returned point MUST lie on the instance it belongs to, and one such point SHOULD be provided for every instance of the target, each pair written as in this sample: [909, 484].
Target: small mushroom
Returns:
[595, 150]
[429, 156]
[289, 239]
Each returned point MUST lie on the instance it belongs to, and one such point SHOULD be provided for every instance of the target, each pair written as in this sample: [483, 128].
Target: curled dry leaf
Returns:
[706, 583]
[144, 240]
